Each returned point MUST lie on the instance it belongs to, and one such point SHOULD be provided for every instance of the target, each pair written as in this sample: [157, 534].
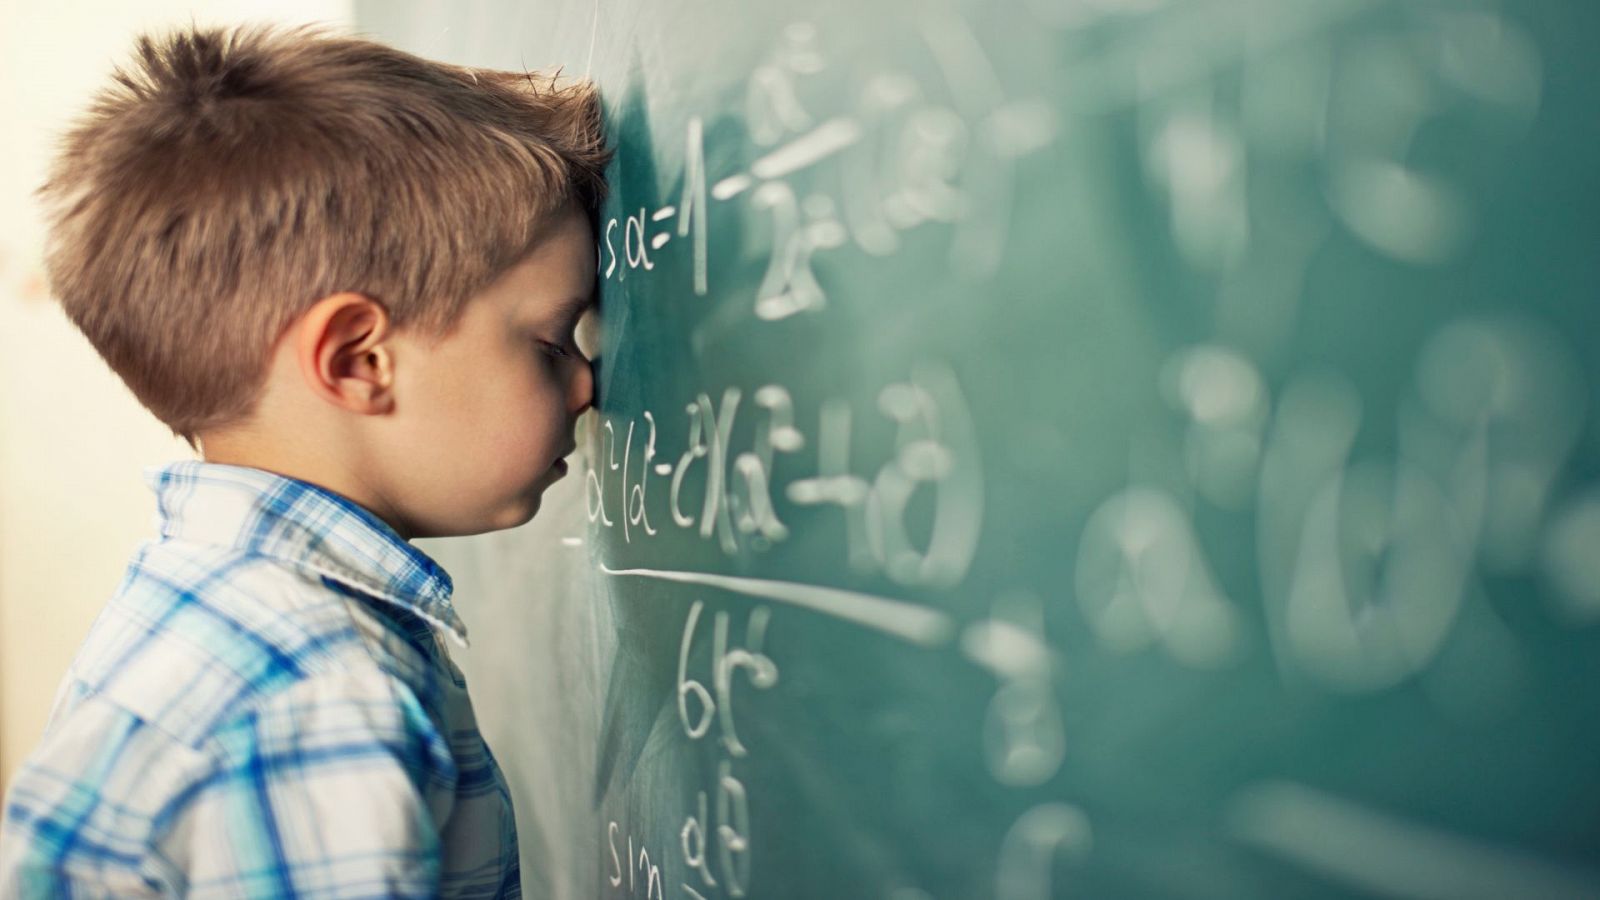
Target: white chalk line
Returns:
[907, 621]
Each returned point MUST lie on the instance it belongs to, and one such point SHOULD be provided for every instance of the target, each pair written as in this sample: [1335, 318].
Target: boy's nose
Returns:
[583, 382]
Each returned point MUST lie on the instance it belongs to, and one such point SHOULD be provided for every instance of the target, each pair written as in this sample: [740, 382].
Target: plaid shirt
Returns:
[265, 709]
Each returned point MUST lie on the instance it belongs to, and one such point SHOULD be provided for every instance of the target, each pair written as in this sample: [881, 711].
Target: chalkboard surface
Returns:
[1065, 448]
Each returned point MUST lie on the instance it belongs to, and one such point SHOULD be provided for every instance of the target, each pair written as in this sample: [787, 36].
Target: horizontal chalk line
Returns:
[908, 621]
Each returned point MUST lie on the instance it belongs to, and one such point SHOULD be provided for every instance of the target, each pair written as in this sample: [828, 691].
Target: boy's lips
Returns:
[560, 465]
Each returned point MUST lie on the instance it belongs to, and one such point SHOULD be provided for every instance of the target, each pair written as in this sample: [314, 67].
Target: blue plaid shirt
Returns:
[265, 708]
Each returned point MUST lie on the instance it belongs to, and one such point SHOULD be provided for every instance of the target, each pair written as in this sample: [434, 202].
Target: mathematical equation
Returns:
[900, 160]
[727, 493]
[716, 858]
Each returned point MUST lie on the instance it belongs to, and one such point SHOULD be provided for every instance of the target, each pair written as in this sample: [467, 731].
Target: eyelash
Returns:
[555, 349]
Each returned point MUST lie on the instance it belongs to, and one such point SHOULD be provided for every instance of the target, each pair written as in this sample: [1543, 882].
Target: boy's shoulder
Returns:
[214, 676]
[196, 635]
[257, 583]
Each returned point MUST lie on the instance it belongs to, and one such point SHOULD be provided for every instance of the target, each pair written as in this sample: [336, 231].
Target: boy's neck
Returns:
[297, 459]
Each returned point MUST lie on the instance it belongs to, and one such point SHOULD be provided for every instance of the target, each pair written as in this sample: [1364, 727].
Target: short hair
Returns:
[233, 177]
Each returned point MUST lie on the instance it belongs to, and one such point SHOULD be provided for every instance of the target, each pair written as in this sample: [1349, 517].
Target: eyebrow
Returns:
[571, 308]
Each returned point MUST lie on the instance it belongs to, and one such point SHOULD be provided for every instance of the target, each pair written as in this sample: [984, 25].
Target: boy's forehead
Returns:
[545, 305]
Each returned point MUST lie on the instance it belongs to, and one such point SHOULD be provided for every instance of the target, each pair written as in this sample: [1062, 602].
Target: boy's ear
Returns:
[343, 349]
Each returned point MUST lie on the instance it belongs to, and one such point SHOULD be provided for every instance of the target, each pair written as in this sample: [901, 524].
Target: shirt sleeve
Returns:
[77, 813]
[334, 787]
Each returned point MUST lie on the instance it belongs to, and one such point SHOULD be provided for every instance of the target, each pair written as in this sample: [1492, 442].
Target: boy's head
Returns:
[322, 256]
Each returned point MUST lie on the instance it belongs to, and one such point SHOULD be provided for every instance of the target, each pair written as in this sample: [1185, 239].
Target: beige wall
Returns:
[72, 438]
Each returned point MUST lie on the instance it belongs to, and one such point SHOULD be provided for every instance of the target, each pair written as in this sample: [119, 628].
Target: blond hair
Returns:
[234, 177]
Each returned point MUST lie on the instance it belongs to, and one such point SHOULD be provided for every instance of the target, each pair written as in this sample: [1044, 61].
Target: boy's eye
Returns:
[554, 349]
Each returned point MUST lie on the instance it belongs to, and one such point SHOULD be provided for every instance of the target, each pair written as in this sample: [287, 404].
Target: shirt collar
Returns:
[303, 524]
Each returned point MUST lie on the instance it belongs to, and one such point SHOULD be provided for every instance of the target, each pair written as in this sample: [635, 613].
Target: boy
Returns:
[349, 278]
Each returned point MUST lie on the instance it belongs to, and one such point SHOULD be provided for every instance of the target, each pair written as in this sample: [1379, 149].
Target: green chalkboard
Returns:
[1065, 448]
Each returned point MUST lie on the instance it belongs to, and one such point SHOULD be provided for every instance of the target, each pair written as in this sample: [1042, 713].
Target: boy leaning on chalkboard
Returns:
[350, 278]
